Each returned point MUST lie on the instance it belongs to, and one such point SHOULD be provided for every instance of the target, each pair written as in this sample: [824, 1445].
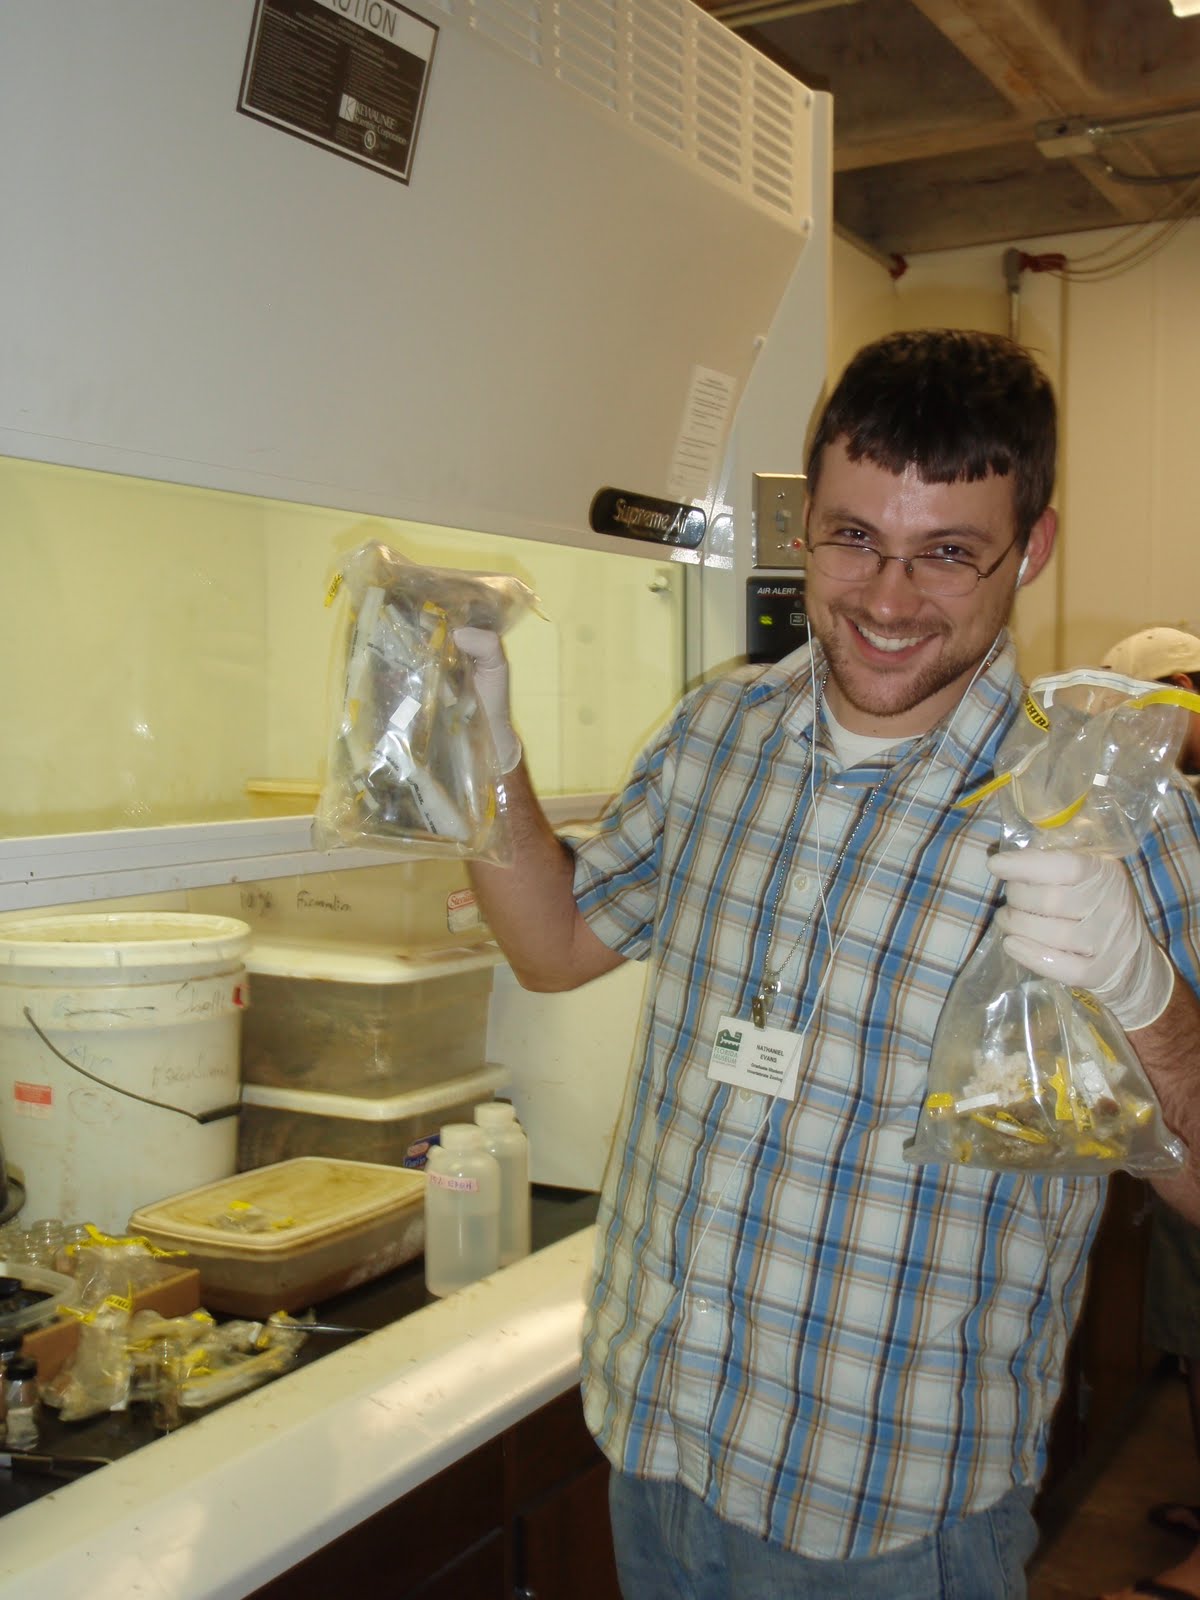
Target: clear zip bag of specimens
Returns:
[411, 764]
[1026, 1073]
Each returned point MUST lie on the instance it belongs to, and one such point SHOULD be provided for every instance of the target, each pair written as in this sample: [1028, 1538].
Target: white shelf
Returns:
[71, 868]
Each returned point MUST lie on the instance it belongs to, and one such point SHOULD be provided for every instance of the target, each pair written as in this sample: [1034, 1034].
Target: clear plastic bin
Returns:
[408, 905]
[291, 1234]
[279, 1124]
[358, 1020]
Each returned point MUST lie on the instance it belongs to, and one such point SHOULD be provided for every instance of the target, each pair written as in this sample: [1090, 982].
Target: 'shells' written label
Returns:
[443, 1180]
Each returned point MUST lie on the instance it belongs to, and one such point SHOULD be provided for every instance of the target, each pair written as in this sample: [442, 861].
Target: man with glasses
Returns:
[815, 1368]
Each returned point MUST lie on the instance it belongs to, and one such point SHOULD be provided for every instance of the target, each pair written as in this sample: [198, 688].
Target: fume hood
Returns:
[596, 280]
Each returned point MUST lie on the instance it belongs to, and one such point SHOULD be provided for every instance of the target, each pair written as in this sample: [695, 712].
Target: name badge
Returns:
[754, 1058]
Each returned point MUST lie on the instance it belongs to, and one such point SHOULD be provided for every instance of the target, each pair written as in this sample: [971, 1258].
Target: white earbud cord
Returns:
[835, 945]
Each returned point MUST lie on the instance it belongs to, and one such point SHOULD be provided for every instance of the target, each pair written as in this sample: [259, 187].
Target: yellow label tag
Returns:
[438, 638]
[1102, 1044]
[1167, 697]
[1002, 1122]
[939, 1102]
[1086, 999]
[332, 591]
[983, 791]
[1062, 1097]
[119, 1302]
[1096, 1149]
[1058, 819]
[1035, 713]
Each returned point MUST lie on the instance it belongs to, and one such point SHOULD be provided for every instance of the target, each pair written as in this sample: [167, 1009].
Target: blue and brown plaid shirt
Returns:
[833, 1348]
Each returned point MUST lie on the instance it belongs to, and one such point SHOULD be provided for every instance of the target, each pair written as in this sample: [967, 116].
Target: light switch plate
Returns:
[779, 519]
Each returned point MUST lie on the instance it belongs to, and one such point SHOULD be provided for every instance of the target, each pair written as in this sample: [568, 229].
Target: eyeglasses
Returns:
[945, 576]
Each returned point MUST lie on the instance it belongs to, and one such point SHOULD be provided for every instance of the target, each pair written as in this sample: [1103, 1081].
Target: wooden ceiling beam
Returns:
[1015, 49]
[886, 148]
[1026, 59]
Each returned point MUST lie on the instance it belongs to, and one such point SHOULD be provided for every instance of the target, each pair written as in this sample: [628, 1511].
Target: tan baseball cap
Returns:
[1154, 653]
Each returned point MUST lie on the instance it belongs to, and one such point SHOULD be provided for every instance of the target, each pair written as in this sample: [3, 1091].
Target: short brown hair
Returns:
[955, 404]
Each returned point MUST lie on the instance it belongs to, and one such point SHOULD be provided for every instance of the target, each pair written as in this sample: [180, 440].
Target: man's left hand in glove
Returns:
[1075, 917]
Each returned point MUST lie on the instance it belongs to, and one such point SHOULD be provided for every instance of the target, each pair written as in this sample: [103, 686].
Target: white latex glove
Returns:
[1075, 917]
[490, 667]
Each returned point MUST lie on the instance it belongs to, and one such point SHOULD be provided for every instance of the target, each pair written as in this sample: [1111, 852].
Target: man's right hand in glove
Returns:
[490, 666]
[529, 905]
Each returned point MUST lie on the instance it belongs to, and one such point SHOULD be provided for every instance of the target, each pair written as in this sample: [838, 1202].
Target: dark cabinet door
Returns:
[564, 1544]
[525, 1514]
[478, 1575]
[450, 1528]
[558, 1483]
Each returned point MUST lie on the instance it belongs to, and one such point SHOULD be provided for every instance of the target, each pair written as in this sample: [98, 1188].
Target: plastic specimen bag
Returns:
[1026, 1073]
[411, 761]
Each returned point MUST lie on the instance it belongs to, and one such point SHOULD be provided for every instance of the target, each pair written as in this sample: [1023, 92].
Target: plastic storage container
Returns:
[462, 1210]
[292, 1234]
[278, 1124]
[406, 905]
[505, 1139]
[361, 1020]
[99, 1014]
[43, 1289]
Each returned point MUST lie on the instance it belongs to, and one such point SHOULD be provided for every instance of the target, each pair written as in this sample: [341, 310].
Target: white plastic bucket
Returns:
[99, 1014]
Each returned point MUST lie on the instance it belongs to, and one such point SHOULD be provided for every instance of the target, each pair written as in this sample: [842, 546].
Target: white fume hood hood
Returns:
[605, 204]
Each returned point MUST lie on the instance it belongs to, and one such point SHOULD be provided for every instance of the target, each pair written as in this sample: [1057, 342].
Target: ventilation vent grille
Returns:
[676, 75]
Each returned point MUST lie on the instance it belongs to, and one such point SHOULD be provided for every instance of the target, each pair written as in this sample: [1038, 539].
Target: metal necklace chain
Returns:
[764, 998]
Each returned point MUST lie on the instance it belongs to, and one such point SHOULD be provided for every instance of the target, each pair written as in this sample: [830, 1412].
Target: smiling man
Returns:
[816, 1369]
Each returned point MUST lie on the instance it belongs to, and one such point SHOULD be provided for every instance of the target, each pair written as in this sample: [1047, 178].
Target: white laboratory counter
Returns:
[239, 1496]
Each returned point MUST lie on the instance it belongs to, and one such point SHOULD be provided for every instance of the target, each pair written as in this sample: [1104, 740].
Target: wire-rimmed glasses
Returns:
[942, 576]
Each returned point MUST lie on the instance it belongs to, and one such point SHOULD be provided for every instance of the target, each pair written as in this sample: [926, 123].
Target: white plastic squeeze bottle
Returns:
[507, 1142]
[462, 1210]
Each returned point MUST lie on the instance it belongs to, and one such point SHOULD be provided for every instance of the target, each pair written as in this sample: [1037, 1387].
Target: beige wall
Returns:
[1124, 354]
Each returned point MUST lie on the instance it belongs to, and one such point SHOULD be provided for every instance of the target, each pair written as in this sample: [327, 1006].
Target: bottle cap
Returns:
[462, 1136]
[495, 1114]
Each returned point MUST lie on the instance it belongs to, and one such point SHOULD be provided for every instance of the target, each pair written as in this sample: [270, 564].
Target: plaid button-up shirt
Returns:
[835, 1349]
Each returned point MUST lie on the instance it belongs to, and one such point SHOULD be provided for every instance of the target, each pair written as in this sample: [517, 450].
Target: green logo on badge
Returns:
[727, 1040]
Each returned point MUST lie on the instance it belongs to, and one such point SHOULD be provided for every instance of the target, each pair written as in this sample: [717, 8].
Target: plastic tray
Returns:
[293, 1233]
[55, 1285]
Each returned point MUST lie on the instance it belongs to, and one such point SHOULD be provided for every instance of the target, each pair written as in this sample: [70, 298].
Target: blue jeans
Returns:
[671, 1547]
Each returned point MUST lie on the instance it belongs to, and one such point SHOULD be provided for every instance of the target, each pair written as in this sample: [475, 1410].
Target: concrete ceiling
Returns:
[961, 122]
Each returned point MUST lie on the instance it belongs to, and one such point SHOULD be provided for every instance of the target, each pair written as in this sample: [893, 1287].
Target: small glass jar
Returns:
[23, 1404]
[10, 1346]
[45, 1238]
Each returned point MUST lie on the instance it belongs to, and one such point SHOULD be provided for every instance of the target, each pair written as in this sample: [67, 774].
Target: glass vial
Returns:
[10, 1345]
[22, 1405]
[505, 1138]
[462, 1210]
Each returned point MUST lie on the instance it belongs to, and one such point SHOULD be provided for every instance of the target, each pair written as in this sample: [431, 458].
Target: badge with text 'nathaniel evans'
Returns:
[754, 1058]
[641, 516]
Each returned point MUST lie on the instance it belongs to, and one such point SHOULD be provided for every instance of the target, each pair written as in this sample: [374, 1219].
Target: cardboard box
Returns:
[54, 1345]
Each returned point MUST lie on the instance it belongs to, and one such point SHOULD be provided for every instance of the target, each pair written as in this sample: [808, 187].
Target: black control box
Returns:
[776, 621]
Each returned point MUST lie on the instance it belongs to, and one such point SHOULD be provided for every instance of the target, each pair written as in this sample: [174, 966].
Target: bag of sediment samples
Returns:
[411, 763]
[1026, 1073]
